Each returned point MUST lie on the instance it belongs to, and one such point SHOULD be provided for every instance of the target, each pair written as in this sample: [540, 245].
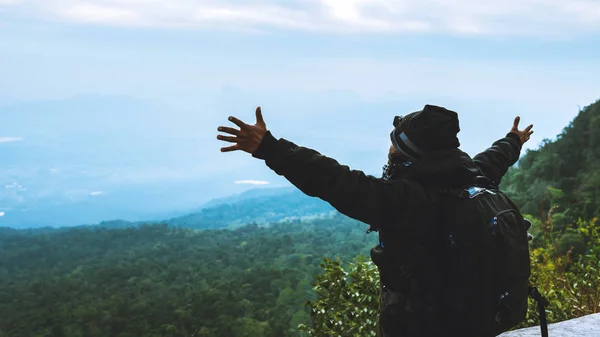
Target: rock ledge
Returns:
[586, 326]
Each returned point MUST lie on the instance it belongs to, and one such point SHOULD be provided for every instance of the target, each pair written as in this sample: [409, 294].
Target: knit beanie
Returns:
[433, 128]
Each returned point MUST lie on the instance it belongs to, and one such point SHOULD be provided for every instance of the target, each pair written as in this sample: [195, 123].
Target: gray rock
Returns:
[586, 326]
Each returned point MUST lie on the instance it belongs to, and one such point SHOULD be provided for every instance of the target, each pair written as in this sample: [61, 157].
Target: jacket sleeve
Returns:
[496, 160]
[353, 193]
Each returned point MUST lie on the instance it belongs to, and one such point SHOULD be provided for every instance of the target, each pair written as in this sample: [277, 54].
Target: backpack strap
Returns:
[542, 303]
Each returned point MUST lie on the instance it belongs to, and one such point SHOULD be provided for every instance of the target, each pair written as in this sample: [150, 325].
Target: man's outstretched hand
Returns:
[524, 134]
[247, 138]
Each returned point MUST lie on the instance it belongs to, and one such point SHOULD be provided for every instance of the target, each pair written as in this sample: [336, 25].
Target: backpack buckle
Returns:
[474, 191]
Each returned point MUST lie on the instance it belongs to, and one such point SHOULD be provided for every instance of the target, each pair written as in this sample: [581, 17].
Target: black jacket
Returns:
[372, 200]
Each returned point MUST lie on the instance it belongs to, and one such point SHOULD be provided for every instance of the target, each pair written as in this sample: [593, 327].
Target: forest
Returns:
[278, 279]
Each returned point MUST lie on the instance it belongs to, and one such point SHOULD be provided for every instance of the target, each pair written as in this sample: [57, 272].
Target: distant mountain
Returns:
[249, 194]
[153, 201]
[261, 206]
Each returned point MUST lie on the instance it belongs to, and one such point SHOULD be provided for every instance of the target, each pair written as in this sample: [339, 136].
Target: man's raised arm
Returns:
[352, 192]
[504, 153]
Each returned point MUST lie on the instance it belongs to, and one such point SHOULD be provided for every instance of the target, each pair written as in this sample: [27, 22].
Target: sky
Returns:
[329, 74]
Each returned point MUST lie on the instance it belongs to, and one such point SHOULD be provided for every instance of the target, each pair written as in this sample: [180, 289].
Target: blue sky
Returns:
[330, 74]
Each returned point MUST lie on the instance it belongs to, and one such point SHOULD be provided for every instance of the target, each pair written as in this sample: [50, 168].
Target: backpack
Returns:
[487, 262]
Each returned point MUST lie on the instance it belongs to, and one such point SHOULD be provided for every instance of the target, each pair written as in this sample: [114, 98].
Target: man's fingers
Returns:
[259, 117]
[516, 122]
[528, 128]
[228, 138]
[238, 122]
[230, 148]
[231, 131]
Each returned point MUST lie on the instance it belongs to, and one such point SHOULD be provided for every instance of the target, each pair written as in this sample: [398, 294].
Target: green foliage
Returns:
[571, 242]
[570, 282]
[348, 301]
[162, 281]
[562, 172]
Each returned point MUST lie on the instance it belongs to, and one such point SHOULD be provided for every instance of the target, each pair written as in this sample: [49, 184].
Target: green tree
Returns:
[348, 299]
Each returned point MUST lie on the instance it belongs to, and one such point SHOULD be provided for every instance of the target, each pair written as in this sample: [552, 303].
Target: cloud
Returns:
[8, 3]
[2, 214]
[15, 186]
[509, 17]
[252, 182]
[10, 139]
[90, 13]
[97, 193]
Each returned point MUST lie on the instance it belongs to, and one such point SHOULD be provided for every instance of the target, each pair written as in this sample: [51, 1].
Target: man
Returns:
[424, 157]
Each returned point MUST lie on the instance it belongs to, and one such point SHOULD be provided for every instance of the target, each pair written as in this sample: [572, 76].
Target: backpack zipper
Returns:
[494, 222]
